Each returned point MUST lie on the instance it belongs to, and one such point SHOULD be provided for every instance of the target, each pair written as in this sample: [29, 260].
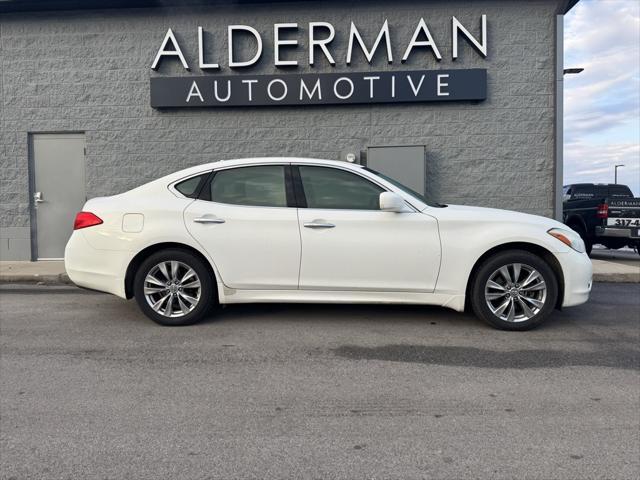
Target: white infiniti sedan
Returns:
[304, 230]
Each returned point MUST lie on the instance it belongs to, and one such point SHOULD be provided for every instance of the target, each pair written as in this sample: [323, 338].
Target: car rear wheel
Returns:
[174, 288]
[514, 290]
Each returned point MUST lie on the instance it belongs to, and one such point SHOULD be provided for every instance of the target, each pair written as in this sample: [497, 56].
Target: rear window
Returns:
[619, 191]
[582, 191]
[602, 191]
[191, 186]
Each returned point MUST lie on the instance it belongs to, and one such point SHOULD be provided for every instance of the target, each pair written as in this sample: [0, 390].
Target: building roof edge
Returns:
[7, 6]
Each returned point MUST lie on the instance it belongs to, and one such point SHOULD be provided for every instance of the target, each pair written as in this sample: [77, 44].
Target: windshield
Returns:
[404, 188]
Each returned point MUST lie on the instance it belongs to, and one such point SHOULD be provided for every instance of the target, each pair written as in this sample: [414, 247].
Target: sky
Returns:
[602, 104]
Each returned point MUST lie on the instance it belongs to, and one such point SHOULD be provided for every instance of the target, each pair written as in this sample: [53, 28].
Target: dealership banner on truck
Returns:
[390, 86]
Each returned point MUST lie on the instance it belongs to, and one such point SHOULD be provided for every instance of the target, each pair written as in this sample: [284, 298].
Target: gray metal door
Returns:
[405, 164]
[58, 189]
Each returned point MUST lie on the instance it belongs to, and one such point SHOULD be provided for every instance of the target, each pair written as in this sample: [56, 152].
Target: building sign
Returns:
[319, 89]
[390, 86]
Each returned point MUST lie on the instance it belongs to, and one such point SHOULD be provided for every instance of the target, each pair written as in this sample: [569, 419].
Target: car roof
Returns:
[595, 185]
[238, 162]
[165, 182]
[247, 161]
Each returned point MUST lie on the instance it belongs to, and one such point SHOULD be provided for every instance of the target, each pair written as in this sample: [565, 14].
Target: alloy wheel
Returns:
[172, 288]
[515, 292]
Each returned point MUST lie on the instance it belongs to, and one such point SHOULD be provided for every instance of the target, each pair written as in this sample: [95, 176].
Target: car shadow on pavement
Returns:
[458, 356]
[336, 313]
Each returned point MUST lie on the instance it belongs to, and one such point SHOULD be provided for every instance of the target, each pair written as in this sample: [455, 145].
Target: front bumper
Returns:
[578, 277]
[102, 270]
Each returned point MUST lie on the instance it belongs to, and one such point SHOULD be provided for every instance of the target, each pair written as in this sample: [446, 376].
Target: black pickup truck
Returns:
[605, 214]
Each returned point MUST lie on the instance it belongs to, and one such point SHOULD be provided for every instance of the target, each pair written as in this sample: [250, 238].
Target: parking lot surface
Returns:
[92, 389]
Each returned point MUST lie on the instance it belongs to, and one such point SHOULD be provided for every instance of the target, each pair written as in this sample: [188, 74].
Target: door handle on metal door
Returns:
[319, 225]
[37, 197]
[208, 220]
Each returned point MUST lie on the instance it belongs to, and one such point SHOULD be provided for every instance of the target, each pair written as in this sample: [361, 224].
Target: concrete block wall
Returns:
[89, 71]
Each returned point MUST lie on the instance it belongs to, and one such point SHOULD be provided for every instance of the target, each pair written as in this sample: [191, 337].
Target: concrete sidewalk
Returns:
[620, 267]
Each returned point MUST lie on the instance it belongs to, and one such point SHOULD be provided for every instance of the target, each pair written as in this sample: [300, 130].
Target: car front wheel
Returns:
[514, 290]
[174, 288]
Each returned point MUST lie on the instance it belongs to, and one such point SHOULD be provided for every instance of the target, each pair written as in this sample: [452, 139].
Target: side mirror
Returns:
[391, 202]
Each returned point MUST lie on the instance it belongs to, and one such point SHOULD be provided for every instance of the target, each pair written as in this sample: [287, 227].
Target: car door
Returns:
[242, 218]
[348, 243]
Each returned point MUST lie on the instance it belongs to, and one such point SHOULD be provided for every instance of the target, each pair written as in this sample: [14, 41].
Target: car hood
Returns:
[482, 214]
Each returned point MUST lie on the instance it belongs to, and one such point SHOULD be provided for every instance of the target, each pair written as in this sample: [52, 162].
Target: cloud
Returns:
[602, 104]
[590, 163]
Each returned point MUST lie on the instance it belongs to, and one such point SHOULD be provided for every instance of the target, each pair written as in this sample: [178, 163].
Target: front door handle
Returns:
[37, 197]
[208, 220]
[319, 225]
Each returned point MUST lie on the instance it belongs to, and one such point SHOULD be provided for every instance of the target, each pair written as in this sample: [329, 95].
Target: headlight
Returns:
[569, 238]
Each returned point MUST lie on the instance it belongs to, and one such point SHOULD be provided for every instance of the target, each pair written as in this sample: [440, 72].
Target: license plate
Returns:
[623, 222]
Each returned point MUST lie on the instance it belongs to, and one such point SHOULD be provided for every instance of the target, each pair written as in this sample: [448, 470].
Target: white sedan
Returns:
[312, 231]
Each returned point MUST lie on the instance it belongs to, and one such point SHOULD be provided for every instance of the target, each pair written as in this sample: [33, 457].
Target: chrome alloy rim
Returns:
[172, 289]
[515, 292]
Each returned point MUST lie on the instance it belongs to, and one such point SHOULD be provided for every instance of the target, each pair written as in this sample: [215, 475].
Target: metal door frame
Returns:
[31, 169]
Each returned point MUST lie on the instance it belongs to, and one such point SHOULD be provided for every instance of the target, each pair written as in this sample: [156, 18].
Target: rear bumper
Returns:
[617, 232]
[578, 277]
[87, 267]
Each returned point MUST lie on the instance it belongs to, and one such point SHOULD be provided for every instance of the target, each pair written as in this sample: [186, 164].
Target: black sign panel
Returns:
[319, 89]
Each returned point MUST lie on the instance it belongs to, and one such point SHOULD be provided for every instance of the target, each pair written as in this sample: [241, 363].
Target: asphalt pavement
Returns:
[91, 389]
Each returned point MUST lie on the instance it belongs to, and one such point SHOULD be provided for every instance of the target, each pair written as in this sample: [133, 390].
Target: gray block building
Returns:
[460, 99]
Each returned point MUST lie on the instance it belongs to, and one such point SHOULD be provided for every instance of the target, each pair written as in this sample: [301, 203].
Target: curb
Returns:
[59, 279]
[617, 277]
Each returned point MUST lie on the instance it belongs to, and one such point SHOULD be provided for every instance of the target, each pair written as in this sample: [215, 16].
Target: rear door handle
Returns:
[319, 225]
[208, 220]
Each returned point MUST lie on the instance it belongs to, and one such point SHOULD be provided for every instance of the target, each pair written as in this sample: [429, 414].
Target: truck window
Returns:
[619, 191]
[602, 191]
[582, 192]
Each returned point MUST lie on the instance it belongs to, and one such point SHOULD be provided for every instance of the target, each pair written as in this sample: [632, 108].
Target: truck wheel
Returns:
[514, 290]
[588, 246]
[173, 287]
[588, 243]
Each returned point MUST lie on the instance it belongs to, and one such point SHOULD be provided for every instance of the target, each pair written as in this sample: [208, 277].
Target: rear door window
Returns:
[259, 186]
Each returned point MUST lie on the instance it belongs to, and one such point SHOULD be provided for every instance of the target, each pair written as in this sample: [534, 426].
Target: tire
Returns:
[588, 242]
[538, 295]
[187, 299]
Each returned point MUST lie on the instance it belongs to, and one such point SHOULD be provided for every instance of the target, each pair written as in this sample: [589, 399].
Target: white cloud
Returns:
[602, 104]
[586, 162]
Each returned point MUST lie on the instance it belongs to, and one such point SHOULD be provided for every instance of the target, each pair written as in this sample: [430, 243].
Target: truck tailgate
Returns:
[624, 213]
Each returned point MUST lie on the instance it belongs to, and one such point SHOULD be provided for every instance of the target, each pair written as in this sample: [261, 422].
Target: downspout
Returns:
[559, 114]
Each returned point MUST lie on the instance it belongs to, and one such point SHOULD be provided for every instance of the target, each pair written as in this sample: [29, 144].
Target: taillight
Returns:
[86, 219]
[603, 211]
